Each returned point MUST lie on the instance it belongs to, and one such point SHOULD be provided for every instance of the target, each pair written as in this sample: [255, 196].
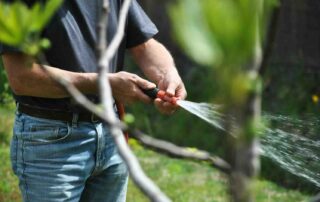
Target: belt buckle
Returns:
[94, 118]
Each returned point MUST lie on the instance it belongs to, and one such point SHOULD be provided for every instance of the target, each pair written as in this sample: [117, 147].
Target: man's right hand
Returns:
[126, 87]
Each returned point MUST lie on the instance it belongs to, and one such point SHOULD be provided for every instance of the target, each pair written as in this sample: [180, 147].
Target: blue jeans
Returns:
[57, 161]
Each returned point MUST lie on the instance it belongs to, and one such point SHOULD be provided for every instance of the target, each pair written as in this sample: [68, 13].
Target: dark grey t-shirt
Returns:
[72, 33]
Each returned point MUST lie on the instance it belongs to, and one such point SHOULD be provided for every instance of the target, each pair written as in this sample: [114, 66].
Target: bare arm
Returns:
[27, 78]
[158, 65]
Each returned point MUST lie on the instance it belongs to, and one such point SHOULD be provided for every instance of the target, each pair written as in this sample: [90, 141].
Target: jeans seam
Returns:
[23, 164]
[99, 149]
[23, 176]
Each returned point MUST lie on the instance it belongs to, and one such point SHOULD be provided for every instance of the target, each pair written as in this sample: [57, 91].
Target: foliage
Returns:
[9, 191]
[226, 31]
[282, 99]
[6, 120]
[21, 26]
[232, 29]
[5, 93]
[8, 184]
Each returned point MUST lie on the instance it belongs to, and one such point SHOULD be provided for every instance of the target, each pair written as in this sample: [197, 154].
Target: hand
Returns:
[172, 84]
[126, 87]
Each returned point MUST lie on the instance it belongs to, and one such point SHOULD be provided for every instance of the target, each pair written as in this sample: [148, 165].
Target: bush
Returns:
[5, 93]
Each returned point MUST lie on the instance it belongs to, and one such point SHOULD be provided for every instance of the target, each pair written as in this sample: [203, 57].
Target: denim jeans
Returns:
[66, 162]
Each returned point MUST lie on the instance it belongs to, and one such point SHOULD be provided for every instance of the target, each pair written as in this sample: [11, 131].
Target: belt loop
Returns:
[17, 112]
[17, 108]
[75, 118]
[94, 118]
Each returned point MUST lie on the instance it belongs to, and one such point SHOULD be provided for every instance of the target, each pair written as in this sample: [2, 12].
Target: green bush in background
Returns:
[5, 93]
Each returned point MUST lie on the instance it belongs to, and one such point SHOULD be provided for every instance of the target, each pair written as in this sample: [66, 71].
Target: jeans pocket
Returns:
[42, 134]
[43, 131]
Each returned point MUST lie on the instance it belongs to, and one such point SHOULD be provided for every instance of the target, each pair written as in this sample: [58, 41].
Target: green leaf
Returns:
[128, 119]
[8, 34]
[193, 33]
[20, 26]
[49, 9]
[33, 18]
[45, 43]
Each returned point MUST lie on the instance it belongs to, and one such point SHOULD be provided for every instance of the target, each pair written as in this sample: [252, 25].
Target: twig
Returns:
[104, 85]
[137, 174]
[114, 45]
[146, 185]
[180, 152]
[316, 198]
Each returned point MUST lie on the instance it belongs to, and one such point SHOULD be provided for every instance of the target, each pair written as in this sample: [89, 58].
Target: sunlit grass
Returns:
[8, 182]
[6, 122]
[187, 181]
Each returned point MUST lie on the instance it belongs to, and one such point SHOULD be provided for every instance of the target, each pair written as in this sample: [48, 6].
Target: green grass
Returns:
[187, 181]
[181, 180]
[8, 182]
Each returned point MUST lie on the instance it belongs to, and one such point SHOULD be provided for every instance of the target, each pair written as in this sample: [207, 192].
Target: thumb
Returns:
[171, 89]
[144, 84]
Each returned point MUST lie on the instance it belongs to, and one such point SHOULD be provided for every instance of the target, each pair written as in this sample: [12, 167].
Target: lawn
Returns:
[182, 180]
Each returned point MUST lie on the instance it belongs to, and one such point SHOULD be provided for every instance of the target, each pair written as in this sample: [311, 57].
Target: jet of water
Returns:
[295, 153]
[284, 144]
[204, 111]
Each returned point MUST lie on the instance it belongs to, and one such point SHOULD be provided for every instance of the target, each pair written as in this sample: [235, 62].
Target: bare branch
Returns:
[146, 185]
[102, 29]
[180, 152]
[114, 45]
[138, 176]
[104, 86]
[316, 198]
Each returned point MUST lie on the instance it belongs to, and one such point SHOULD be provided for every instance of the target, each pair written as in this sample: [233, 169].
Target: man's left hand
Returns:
[173, 86]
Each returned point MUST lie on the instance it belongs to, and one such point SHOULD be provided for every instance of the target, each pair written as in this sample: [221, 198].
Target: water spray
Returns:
[288, 149]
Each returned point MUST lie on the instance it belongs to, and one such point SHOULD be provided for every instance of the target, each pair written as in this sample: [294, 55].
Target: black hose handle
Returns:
[152, 93]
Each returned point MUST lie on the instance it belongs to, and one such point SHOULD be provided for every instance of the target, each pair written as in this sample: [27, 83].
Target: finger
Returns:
[159, 105]
[181, 93]
[144, 84]
[164, 107]
[167, 106]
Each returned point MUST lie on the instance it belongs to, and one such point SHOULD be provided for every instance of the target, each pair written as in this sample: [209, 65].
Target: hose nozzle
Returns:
[157, 93]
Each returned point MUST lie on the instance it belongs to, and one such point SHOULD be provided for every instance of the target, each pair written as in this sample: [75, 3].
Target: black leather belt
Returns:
[57, 115]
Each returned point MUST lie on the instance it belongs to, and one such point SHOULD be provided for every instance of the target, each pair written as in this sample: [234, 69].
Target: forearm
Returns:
[28, 79]
[154, 60]
[157, 64]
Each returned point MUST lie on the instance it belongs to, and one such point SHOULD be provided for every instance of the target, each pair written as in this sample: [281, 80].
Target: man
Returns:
[59, 151]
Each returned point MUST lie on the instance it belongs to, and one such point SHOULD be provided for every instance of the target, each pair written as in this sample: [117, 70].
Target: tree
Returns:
[229, 37]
